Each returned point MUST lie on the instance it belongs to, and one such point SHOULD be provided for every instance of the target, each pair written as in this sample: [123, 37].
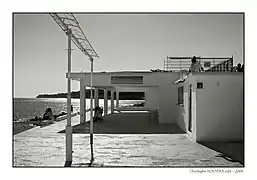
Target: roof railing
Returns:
[213, 64]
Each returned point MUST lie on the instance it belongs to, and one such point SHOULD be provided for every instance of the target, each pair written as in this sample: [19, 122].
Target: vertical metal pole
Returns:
[96, 98]
[232, 64]
[105, 101]
[112, 102]
[82, 101]
[91, 111]
[69, 127]
[180, 64]
[165, 64]
[117, 99]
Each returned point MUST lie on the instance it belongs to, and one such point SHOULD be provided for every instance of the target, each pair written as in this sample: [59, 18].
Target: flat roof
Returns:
[135, 72]
[216, 73]
[112, 72]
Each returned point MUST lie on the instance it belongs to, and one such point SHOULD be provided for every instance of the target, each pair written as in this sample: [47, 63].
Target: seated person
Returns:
[98, 114]
[195, 66]
[45, 117]
[48, 115]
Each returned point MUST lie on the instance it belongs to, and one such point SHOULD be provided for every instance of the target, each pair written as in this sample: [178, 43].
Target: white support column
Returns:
[105, 101]
[82, 101]
[91, 111]
[69, 127]
[112, 102]
[96, 97]
[117, 99]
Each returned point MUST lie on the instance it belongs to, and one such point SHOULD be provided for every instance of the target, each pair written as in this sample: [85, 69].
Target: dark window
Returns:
[127, 80]
[181, 95]
[199, 85]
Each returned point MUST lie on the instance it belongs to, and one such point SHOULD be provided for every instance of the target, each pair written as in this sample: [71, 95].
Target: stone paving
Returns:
[46, 147]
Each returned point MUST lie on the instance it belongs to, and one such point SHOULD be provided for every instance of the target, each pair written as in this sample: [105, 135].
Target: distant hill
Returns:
[76, 94]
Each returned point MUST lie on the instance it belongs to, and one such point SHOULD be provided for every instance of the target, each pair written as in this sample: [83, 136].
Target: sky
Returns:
[122, 41]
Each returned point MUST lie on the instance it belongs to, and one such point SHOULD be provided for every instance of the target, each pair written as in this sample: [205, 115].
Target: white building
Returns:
[213, 106]
[209, 106]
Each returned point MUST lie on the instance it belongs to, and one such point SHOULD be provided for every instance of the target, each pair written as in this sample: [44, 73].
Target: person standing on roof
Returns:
[195, 66]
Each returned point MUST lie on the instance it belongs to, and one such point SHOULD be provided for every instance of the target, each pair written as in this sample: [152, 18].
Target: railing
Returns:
[225, 66]
[220, 64]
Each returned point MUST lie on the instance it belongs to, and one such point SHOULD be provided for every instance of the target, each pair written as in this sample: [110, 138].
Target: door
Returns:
[190, 108]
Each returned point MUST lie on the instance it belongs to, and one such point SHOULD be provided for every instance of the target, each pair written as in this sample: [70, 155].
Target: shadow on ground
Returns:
[231, 151]
[127, 123]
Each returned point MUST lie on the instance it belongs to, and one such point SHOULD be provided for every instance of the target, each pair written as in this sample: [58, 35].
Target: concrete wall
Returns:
[164, 96]
[104, 79]
[194, 112]
[218, 107]
[167, 93]
[152, 98]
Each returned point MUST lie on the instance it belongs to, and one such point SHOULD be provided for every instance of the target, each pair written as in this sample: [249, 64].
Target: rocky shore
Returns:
[19, 127]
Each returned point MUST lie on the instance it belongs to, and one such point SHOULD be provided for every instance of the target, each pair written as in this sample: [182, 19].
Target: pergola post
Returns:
[105, 101]
[96, 97]
[91, 111]
[112, 102]
[82, 101]
[74, 31]
[69, 127]
[117, 99]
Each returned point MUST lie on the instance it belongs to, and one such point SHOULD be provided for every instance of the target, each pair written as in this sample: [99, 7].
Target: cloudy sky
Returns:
[123, 42]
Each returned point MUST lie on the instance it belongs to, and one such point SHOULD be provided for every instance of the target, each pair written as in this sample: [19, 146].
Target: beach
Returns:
[26, 109]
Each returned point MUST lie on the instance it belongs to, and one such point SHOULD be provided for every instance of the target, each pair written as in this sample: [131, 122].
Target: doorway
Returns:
[190, 108]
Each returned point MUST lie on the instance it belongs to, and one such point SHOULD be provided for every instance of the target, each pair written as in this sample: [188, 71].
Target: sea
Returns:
[27, 108]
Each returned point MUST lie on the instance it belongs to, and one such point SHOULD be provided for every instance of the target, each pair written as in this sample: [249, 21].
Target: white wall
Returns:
[219, 108]
[151, 98]
[167, 93]
[217, 111]
[194, 111]
[104, 79]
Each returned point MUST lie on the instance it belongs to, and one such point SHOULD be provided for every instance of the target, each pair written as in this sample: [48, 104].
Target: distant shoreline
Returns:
[76, 95]
[33, 98]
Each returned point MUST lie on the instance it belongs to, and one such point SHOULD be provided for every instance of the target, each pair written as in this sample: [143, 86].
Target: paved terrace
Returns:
[120, 142]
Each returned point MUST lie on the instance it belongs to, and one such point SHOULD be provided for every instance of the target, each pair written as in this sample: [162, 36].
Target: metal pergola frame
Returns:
[69, 24]
[67, 21]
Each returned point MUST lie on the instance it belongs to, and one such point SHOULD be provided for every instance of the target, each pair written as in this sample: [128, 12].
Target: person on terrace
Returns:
[195, 66]
[239, 67]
